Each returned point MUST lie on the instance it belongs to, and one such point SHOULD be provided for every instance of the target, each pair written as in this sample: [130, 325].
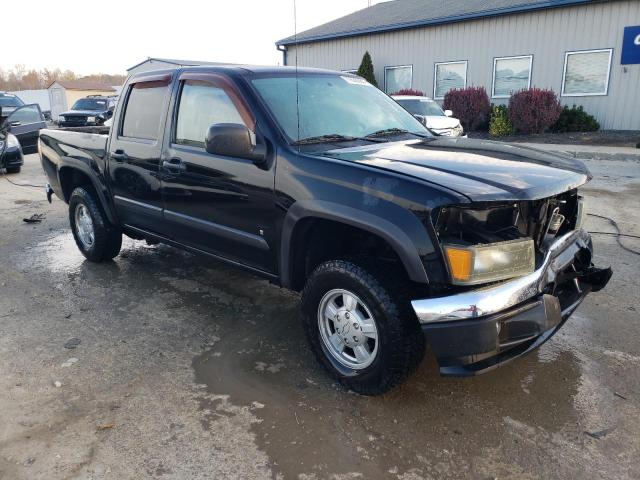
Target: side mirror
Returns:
[448, 113]
[234, 140]
[421, 119]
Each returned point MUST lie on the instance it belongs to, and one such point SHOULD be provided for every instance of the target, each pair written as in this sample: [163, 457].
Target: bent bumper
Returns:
[478, 330]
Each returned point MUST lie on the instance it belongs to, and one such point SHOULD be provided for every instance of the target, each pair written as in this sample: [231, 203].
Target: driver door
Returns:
[25, 123]
[221, 205]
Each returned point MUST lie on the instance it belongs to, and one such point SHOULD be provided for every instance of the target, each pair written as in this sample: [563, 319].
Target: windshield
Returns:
[422, 106]
[90, 104]
[10, 101]
[333, 105]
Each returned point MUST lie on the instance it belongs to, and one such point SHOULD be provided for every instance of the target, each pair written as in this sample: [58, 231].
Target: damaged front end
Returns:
[517, 271]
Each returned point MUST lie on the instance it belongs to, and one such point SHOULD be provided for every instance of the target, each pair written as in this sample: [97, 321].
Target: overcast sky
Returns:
[111, 35]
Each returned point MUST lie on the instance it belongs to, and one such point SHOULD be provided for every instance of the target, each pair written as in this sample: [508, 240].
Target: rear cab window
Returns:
[144, 110]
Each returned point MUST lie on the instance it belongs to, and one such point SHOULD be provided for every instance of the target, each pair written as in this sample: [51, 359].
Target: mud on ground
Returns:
[186, 368]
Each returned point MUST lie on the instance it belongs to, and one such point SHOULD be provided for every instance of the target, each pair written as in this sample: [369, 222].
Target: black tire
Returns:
[13, 170]
[401, 342]
[107, 239]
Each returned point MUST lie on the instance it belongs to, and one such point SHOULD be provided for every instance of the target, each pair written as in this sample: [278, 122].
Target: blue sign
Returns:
[631, 45]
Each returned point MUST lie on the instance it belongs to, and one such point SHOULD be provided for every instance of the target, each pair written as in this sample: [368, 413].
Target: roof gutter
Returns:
[283, 49]
[540, 5]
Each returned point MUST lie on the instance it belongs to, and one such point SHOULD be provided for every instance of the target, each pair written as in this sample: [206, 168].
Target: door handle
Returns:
[119, 156]
[174, 164]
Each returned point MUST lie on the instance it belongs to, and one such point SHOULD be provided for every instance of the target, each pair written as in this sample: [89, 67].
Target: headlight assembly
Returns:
[60, 118]
[12, 141]
[91, 119]
[474, 264]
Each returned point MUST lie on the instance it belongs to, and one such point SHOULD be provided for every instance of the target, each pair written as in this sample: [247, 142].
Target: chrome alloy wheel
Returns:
[84, 226]
[347, 328]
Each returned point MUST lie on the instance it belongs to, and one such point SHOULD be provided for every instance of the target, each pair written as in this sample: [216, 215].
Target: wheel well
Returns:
[71, 178]
[317, 240]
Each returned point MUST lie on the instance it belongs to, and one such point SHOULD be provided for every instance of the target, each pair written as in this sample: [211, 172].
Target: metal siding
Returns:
[546, 34]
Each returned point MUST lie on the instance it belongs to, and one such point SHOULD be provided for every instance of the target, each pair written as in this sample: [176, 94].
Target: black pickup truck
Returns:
[323, 184]
[90, 111]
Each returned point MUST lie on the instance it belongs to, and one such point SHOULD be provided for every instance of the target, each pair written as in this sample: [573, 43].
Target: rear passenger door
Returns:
[218, 204]
[134, 152]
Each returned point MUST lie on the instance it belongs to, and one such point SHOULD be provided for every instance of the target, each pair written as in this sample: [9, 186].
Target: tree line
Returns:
[21, 78]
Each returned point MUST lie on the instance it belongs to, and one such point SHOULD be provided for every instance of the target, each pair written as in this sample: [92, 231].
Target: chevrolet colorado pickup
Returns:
[323, 184]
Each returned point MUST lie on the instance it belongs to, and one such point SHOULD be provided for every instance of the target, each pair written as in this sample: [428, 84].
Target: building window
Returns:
[511, 74]
[397, 78]
[586, 73]
[449, 75]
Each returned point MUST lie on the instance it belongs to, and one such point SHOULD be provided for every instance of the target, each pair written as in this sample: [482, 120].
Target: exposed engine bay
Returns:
[539, 220]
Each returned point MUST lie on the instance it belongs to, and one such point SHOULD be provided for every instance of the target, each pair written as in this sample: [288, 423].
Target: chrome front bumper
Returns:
[497, 298]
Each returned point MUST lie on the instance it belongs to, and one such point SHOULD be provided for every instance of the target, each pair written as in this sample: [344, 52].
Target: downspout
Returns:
[283, 49]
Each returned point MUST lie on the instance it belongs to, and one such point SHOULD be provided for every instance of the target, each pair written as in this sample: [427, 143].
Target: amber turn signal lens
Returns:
[490, 262]
[460, 263]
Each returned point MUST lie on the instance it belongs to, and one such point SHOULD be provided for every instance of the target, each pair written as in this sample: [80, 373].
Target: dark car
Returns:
[321, 183]
[9, 102]
[11, 158]
[25, 122]
[89, 111]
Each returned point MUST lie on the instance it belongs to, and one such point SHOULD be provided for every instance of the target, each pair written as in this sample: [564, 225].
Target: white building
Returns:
[587, 51]
[164, 63]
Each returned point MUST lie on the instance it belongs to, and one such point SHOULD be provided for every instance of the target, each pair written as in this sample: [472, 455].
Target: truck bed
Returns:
[82, 147]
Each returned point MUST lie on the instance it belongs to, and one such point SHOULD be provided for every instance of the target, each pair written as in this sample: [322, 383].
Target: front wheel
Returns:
[96, 238]
[13, 169]
[363, 334]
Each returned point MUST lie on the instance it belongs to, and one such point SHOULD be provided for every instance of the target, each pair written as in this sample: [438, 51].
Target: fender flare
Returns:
[395, 236]
[101, 190]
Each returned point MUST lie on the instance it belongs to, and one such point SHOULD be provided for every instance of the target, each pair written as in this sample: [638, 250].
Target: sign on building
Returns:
[631, 45]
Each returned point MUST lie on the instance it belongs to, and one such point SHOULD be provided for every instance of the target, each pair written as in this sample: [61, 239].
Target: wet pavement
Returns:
[186, 368]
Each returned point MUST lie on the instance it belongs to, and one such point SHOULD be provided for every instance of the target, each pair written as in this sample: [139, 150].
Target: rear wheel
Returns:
[361, 332]
[96, 238]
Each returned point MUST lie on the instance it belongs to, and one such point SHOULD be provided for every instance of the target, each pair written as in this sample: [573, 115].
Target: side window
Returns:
[202, 105]
[144, 110]
[25, 115]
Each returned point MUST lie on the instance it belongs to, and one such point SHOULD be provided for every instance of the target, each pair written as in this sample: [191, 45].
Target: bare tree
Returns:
[19, 78]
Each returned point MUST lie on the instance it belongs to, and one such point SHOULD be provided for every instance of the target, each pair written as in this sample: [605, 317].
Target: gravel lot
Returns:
[188, 369]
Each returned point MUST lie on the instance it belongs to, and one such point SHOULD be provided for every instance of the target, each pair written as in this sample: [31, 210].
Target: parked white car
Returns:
[440, 122]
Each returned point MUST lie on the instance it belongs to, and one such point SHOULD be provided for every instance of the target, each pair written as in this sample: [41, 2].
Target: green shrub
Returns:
[499, 124]
[366, 69]
[575, 119]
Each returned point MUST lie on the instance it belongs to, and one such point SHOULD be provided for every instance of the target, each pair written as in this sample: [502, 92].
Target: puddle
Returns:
[311, 425]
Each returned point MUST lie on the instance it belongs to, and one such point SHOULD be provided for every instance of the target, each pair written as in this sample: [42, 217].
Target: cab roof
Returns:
[244, 70]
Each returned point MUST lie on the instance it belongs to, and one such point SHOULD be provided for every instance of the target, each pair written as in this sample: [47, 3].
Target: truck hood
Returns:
[481, 170]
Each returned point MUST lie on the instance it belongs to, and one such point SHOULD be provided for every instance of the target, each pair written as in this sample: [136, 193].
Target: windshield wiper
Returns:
[331, 137]
[393, 131]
